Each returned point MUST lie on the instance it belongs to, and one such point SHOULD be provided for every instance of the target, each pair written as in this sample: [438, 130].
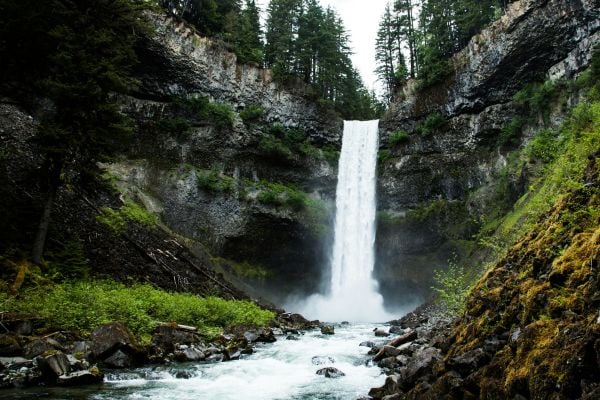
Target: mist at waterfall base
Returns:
[352, 291]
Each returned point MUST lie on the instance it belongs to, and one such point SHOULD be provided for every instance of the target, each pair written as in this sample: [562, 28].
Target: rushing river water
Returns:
[281, 370]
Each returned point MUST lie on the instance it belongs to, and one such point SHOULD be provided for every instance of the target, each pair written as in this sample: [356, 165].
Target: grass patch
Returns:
[251, 114]
[83, 306]
[213, 181]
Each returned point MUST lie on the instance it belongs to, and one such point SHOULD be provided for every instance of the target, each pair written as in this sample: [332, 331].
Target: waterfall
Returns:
[353, 292]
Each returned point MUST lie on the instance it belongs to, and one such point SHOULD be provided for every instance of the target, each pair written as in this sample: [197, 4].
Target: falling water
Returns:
[353, 293]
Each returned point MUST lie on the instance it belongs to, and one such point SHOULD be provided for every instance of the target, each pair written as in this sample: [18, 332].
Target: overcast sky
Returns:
[361, 19]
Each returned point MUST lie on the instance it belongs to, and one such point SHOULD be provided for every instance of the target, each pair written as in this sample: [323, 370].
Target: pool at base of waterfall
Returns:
[286, 369]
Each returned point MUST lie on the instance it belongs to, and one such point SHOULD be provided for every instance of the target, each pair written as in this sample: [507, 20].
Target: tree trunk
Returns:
[42, 231]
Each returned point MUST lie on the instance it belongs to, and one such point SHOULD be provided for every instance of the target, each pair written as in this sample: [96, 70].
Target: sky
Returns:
[361, 19]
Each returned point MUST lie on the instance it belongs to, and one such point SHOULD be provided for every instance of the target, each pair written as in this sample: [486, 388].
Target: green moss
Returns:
[83, 306]
[244, 269]
[384, 156]
[275, 148]
[116, 220]
[221, 115]
[511, 133]
[214, 181]
[398, 137]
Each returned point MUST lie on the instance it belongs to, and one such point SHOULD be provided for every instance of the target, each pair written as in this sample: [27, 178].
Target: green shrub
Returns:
[398, 137]
[431, 124]
[220, 114]
[83, 306]
[510, 134]
[331, 154]
[433, 72]
[69, 262]
[212, 180]
[277, 130]
[252, 113]
[275, 148]
[294, 136]
[544, 146]
[452, 286]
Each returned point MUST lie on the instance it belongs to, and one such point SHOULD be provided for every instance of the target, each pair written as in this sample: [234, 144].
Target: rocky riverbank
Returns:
[64, 358]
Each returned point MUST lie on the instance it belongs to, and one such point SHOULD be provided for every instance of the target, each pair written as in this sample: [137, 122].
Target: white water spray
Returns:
[353, 293]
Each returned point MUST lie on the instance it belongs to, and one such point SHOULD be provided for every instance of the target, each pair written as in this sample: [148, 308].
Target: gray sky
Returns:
[361, 19]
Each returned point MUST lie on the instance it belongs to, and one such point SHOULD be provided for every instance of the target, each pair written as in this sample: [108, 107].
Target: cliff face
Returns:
[433, 190]
[254, 190]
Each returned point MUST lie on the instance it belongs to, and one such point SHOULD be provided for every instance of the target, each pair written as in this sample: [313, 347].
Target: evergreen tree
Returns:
[407, 31]
[82, 52]
[386, 50]
[282, 28]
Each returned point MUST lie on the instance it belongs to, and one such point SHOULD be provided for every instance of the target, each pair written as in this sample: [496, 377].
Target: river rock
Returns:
[292, 337]
[388, 362]
[327, 329]
[85, 377]
[320, 360]
[330, 372]
[390, 387]
[468, 362]
[38, 347]
[262, 335]
[189, 354]
[368, 343]
[380, 332]
[109, 338]
[396, 330]
[54, 365]
[385, 352]
[421, 364]
[14, 362]
[119, 359]
[167, 336]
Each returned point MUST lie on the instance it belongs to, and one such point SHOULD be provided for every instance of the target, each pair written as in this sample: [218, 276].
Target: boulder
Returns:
[380, 332]
[292, 337]
[119, 359]
[421, 364]
[388, 362]
[386, 351]
[262, 335]
[330, 372]
[54, 365]
[390, 387]
[396, 330]
[167, 336]
[189, 354]
[327, 329]
[468, 362]
[109, 338]
[85, 377]
[14, 362]
[39, 346]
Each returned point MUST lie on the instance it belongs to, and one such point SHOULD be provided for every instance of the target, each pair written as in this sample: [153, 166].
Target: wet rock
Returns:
[38, 347]
[14, 362]
[421, 364]
[469, 361]
[390, 387]
[189, 354]
[82, 347]
[215, 358]
[367, 344]
[388, 362]
[262, 335]
[119, 359]
[54, 365]
[330, 372]
[109, 338]
[78, 378]
[183, 374]
[327, 330]
[405, 338]
[167, 336]
[374, 350]
[321, 360]
[292, 337]
[380, 332]
[9, 345]
[386, 351]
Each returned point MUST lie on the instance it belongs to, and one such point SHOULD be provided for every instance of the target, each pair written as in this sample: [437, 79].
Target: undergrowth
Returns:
[83, 306]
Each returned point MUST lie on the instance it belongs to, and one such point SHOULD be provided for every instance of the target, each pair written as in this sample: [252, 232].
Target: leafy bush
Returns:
[212, 180]
[433, 72]
[275, 148]
[452, 286]
[200, 108]
[83, 306]
[543, 147]
[509, 135]
[398, 137]
[431, 124]
[116, 220]
[220, 114]
[252, 113]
